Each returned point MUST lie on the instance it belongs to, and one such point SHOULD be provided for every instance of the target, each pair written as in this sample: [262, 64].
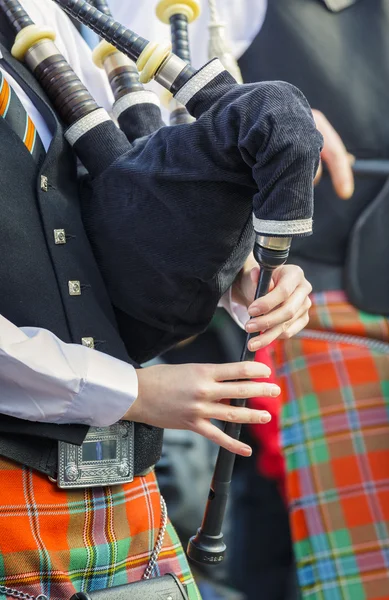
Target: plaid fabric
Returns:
[335, 434]
[57, 542]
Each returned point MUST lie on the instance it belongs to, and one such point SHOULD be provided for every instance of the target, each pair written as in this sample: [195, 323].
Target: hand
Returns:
[336, 157]
[283, 312]
[189, 396]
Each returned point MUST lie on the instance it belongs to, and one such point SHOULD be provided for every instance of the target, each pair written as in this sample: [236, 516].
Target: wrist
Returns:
[134, 412]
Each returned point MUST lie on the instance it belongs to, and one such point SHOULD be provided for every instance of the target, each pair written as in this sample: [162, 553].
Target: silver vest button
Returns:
[89, 342]
[59, 236]
[74, 288]
[44, 183]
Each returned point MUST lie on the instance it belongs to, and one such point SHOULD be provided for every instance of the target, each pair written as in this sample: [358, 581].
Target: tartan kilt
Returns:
[335, 437]
[58, 542]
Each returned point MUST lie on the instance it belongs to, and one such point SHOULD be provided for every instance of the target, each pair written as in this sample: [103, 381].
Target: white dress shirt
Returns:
[243, 19]
[41, 377]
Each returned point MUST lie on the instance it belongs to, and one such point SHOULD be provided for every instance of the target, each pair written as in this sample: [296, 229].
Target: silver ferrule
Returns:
[40, 52]
[274, 243]
[132, 99]
[86, 124]
[117, 60]
[199, 80]
[170, 70]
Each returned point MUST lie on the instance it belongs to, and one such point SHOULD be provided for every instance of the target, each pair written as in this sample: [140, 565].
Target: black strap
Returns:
[41, 452]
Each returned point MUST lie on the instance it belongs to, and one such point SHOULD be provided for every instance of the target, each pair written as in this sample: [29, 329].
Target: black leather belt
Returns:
[34, 445]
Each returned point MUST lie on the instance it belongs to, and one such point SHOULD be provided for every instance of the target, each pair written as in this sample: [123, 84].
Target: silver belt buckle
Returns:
[106, 457]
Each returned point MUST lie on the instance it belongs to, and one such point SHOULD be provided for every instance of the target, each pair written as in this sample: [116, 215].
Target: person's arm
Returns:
[43, 379]
[334, 154]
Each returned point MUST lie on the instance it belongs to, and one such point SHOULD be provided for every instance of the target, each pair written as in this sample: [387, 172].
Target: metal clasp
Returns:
[106, 457]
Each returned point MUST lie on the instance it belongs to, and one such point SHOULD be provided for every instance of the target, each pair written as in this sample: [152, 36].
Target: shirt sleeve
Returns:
[43, 379]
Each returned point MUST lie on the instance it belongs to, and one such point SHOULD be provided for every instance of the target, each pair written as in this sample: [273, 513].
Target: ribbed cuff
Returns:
[200, 94]
[100, 147]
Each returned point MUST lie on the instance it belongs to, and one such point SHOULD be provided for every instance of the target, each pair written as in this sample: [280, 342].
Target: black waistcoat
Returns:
[340, 60]
[35, 271]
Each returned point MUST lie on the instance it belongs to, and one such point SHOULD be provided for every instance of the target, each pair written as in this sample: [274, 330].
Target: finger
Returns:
[284, 331]
[296, 327]
[319, 174]
[248, 286]
[286, 312]
[336, 157]
[240, 370]
[241, 390]
[213, 433]
[236, 414]
[254, 276]
[286, 281]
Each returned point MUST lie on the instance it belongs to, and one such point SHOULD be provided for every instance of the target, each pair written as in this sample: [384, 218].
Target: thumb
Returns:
[254, 276]
[249, 286]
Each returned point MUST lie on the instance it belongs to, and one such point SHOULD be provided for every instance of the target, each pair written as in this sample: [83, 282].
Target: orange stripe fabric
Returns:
[29, 139]
[12, 110]
[4, 97]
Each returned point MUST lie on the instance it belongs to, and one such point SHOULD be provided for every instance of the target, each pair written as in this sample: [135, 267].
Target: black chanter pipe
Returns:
[175, 210]
[137, 110]
[207, 546]
[178, 16]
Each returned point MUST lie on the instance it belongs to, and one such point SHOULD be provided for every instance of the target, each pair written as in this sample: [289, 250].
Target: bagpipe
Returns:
[178, 16]
[173, 215]
[169, 216]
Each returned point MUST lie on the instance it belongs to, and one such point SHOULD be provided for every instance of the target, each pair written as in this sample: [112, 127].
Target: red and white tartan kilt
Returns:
[335, 438]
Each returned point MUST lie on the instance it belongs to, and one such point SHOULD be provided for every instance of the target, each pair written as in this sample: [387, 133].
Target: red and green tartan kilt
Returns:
[335, 437]
[57, 542]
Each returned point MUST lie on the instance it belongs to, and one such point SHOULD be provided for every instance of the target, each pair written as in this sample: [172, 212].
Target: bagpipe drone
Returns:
[137, 110]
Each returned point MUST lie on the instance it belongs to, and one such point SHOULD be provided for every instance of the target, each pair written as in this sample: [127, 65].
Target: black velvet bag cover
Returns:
[170, 220]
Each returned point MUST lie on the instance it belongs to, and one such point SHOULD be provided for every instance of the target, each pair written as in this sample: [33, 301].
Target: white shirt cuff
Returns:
[107, 392]
[236, 311]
